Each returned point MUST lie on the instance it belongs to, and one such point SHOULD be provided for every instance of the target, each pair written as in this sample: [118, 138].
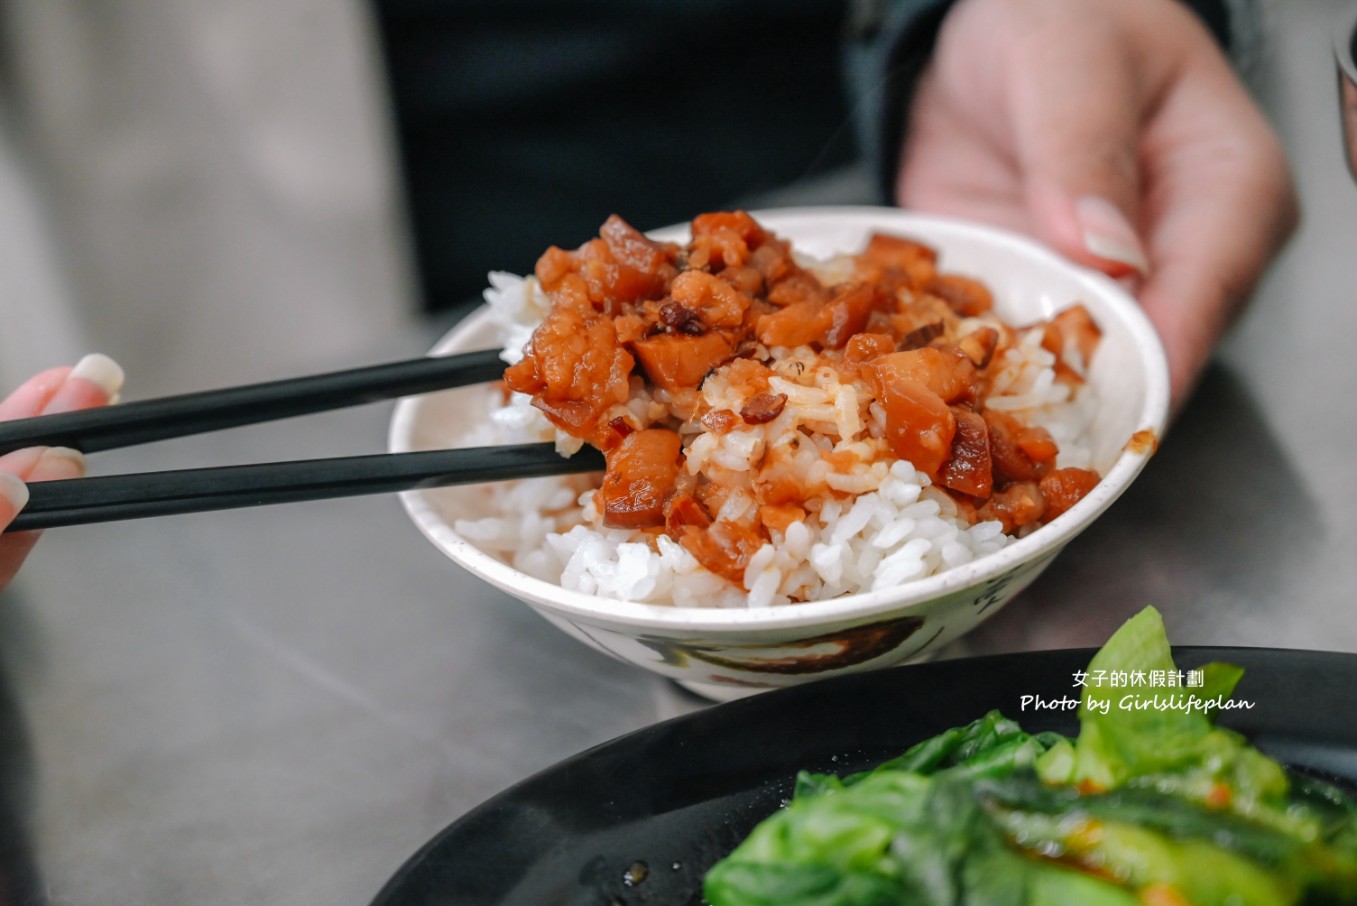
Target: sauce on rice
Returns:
[736, 390]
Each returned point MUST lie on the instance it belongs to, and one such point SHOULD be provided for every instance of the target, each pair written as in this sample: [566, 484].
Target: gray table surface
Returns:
[280, 706]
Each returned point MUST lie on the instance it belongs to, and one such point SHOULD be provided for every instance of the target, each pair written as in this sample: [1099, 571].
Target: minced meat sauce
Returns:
[625, 307]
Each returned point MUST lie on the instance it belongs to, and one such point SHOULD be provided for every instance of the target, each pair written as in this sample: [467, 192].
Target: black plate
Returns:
[639, 820]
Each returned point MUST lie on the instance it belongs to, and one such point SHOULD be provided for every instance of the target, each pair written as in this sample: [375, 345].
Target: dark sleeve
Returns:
[889, 44]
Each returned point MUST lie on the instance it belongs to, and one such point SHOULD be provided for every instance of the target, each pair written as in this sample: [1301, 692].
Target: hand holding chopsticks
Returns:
[103, 499]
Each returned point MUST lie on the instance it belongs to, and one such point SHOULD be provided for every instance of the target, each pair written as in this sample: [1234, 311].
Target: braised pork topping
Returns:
[634, 319]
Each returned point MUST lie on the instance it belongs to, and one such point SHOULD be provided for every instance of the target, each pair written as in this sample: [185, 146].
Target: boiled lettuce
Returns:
[1144, 805]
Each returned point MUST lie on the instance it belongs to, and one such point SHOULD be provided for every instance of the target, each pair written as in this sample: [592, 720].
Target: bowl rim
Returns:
[861, 607]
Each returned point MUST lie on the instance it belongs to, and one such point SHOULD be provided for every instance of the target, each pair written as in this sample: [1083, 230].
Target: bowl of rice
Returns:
[837, 439]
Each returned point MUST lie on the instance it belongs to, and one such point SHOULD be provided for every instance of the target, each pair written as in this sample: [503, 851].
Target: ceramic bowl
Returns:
[724, 653]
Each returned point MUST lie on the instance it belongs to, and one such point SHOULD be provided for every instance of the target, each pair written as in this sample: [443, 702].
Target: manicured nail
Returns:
[100, 370]
[58, 463]
[1109, 235]
[13, 489]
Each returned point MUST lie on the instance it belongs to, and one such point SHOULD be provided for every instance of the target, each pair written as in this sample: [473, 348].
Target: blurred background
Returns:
[280, 706]
[194, 187]
[202, 190]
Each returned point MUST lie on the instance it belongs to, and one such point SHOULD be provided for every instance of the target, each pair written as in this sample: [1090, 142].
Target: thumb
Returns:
[30, 464]
[1076, 120]
[13, 548]
[13, 497]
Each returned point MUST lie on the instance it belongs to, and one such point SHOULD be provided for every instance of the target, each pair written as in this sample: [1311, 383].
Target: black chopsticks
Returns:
[104, 499]
[81, 501]
[129, 424]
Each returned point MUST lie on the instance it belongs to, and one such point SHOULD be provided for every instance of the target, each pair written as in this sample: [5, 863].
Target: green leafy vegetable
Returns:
[1150, 804]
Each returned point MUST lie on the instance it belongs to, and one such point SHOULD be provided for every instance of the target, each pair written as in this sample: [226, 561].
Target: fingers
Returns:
[33, 394]
[43, 464]
[1047, 98]
[13, 496]
[13, 548]
[94, 381]
[1076, 111]
[947, 167]
[1116, 133]
[1221, 206]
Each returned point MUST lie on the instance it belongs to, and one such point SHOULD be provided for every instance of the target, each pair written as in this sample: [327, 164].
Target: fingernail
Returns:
[100, 370]
[58, 463]
[13, 489]
[1109, 235]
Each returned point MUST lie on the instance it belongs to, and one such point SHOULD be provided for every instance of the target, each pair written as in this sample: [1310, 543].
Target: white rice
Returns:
[896, 529]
